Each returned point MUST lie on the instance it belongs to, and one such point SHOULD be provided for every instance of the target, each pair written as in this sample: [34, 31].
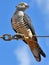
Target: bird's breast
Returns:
[20, 13]
[21, 27]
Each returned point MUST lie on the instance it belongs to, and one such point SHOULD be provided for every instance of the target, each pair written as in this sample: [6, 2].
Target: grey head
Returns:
[22, 6]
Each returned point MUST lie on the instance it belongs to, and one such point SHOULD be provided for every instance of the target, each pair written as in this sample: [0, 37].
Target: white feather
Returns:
[21, 13]
[30, 33]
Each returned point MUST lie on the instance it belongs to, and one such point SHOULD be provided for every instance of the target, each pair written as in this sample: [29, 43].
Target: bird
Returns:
[21, 23]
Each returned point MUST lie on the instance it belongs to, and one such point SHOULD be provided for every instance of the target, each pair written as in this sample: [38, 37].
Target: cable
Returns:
[41, 36]
[8, 37]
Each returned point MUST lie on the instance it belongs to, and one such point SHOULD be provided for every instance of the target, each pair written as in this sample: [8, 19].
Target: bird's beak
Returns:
[27, 6]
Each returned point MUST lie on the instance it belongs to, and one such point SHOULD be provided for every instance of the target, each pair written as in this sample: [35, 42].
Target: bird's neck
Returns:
[20, 9]
[20, 13]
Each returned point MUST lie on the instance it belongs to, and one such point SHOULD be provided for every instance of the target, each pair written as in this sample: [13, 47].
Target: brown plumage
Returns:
[21, 23]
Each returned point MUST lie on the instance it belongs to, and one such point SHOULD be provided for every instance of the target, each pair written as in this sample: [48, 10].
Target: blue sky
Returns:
[17, 52]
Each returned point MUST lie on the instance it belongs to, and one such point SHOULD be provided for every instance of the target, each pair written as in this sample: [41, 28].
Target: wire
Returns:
[40, 36]
[8, 37]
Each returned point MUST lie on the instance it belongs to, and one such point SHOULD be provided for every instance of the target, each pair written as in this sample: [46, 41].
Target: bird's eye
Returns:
[21, 4]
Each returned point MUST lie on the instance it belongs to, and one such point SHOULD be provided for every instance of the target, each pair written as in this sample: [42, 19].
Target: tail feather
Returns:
[42, 53]
[36, 50]
[36, 55]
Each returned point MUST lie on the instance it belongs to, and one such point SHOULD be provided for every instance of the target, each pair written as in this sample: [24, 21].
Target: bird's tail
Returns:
[36, 50]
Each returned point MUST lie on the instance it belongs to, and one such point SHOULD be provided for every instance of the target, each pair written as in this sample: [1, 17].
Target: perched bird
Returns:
[21, 23]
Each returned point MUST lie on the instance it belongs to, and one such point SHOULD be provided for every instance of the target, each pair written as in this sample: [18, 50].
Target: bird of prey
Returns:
[21, 23]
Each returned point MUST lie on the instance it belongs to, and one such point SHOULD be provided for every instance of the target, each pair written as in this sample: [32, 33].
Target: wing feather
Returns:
[29, 23]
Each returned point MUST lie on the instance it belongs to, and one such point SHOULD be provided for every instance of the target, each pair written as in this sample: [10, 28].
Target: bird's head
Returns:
[22, 6]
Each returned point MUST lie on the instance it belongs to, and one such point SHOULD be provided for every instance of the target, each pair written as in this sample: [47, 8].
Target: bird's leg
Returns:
[19, 36]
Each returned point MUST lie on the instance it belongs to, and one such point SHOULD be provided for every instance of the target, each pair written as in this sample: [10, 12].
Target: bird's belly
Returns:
[20, 27]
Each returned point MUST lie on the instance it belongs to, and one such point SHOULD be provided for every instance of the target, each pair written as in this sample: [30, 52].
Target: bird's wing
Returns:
[29, 23]
[33, 43]
[13, 24]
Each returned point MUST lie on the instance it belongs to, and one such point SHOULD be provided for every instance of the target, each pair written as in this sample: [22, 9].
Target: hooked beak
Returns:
[27, 6]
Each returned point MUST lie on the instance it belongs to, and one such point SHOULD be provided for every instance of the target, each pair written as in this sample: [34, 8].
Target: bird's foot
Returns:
[21, 36]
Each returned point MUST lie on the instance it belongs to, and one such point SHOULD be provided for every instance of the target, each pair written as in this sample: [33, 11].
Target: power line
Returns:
[8, 37]
[41, 36]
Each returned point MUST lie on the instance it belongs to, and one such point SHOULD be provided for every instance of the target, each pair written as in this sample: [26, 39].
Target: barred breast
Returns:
[20, 27]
